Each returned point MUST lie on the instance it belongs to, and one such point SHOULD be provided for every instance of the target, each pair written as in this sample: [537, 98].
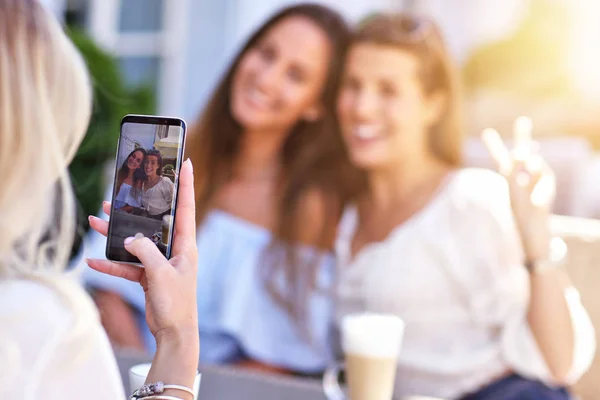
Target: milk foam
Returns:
[372, 335]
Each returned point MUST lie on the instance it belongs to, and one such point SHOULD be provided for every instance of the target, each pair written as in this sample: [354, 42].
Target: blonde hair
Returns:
[421, 37]
[45, 106]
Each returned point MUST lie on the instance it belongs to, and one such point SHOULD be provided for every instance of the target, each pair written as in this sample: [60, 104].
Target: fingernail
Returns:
[138, 235]
[90, 218]
[87, 261]
[190, 164]
[129, 240]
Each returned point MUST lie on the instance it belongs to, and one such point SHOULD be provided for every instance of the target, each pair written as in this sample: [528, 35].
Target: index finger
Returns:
[185, 221]
[522, 137]
[497, 150]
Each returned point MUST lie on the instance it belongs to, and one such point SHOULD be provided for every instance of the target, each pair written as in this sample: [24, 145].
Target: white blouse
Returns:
[158, 198]
[453, 272]
[52, 345]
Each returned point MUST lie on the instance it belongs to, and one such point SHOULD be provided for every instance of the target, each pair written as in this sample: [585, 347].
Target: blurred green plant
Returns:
[112, 100]
[533, 62]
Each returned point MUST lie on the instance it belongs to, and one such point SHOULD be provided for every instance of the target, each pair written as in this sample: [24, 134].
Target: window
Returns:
[141, 16]
[141, 70]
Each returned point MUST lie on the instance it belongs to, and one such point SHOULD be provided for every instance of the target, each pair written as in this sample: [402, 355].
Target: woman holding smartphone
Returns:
[129, 181]
[463, 256]
[269, 189]
[52, 345]
[157, 190]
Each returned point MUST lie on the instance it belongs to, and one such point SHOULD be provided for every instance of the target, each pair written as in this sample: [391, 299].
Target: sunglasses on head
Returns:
[408, 28]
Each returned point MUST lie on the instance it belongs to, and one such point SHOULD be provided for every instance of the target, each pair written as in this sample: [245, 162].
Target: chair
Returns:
[583, 238]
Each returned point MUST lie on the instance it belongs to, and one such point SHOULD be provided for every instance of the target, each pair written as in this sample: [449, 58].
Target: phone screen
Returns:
[149, 157]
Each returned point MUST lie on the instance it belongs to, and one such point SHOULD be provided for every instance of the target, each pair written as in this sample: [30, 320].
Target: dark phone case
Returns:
[123, 256]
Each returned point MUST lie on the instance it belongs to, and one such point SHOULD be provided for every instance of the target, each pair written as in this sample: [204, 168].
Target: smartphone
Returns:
[144, 198]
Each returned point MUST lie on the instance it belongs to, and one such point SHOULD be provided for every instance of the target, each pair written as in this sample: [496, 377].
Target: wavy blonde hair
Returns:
[45, 106]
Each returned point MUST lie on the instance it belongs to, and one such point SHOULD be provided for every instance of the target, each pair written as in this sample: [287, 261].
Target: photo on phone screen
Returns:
[149, 157]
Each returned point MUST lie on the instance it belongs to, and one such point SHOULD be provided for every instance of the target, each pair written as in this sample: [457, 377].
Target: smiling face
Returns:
[134, 160]
[279, 80]
[382, 108]
[151, 166]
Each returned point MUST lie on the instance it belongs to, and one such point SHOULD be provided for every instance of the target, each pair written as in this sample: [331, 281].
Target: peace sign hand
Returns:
[531, 183]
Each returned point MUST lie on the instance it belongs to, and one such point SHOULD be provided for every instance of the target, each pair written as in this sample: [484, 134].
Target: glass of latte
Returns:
[167, 220]
[371, 344]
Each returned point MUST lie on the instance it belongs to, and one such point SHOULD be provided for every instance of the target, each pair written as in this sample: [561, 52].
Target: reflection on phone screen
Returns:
[144, 194]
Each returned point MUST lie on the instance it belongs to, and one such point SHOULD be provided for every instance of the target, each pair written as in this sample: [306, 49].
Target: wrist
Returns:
[182, 342]
[553, 257]
[178, 338]
[536, 244]
[176, 358]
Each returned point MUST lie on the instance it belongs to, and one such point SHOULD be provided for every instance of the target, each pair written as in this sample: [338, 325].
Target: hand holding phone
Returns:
[161, 278]
[170, 285]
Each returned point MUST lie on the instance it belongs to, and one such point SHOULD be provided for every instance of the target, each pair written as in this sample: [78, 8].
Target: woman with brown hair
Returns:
[269, 187]
[157, 190]
[486, 316]
[129, 181]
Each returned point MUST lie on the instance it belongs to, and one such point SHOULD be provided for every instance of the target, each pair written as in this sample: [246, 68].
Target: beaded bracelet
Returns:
[163, 398]
[152, 389]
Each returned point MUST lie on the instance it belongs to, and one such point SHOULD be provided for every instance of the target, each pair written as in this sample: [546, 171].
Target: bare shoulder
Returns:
[318, 215]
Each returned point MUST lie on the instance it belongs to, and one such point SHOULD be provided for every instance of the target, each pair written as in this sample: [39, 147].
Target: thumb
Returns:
[147, 252]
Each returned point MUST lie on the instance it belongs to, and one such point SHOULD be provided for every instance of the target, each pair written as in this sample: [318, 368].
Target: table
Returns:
[126, 225]
[226, 383]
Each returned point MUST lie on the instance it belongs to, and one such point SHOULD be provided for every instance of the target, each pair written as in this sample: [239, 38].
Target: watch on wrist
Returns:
[557, 258]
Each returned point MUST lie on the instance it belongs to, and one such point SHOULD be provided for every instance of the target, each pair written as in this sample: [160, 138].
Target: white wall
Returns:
[218, 28]
[470, 23]
[247, 15]
[466, 23]
[206, 57]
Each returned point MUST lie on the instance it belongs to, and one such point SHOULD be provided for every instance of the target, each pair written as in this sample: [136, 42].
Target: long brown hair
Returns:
[312, 156]
[422, 38]
[124, 170]
[159, 159]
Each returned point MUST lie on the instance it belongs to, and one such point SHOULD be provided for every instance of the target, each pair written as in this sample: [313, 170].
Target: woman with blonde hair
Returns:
[487, 313]
[52, 345]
